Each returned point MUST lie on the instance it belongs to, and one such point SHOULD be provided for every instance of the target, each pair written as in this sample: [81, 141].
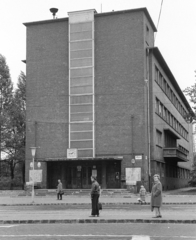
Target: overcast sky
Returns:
[176, 36]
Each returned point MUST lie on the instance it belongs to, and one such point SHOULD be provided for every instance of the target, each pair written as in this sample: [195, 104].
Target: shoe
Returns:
[92, 216]
[97, 215]
[156, 217]
[159, 216]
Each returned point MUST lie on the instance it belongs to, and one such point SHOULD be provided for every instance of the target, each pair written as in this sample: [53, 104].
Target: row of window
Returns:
[162, 111]
[165, 170]
[168, 91]
[183, 149]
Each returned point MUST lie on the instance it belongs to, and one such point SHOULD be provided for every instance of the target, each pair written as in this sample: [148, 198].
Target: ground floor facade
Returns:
[76, 174]
[111, 174]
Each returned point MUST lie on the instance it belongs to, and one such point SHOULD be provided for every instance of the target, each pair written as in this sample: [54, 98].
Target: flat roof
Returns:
[97, 15]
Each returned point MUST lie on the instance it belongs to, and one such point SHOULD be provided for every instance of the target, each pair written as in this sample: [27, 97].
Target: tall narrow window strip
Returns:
[81, 83]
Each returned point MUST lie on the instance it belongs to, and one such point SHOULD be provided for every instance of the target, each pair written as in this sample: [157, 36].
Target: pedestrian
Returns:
[95, 193]
[156, 196]
[142, 193]
[59, 190]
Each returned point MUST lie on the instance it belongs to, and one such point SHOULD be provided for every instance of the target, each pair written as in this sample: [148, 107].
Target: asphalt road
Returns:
[96, 231]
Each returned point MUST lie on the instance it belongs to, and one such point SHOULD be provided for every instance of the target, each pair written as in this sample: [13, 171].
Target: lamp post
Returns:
[33, 152]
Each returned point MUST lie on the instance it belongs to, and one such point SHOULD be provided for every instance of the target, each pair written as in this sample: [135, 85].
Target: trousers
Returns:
[95, 206]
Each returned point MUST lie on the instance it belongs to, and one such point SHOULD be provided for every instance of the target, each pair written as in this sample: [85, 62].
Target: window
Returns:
[159, 138]
[160, 79]
[157, 106]
[167, 116]
[160, 109]
[164, 85]
[164, 112]
[156, 74]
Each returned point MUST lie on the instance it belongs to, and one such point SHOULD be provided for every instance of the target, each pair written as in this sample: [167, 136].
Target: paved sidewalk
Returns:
[131, 213]
[176, 209]
[169, 197]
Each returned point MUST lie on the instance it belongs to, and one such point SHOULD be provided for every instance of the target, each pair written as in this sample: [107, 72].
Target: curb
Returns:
[70, 221]
[71, 204]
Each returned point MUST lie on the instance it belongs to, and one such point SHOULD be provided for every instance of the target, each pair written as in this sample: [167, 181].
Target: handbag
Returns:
[61, 192]
[100, 206]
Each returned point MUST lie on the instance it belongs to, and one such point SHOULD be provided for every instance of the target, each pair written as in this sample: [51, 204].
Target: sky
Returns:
[176, 36]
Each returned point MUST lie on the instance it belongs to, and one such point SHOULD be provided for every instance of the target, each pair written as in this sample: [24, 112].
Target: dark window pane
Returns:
[81, 99]
[84, 62]
[81, 135]
[81, 81]
[82, 144]
[81, 72]
[81, 54]
[81, 108]
[81, 117]
[79, 27]
[81, 45]
[86, 153]
[81, 35]
[81, 90]
[81, 127]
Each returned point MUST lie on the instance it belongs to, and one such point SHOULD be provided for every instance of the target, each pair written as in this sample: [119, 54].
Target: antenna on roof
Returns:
[54, 11]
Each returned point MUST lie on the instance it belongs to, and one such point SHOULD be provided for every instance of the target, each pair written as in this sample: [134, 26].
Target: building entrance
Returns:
[77, 174]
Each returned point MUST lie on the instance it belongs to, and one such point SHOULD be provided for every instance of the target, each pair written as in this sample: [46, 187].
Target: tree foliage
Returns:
[6, 98]
[191, 93]
[12, 126]
[192, 182]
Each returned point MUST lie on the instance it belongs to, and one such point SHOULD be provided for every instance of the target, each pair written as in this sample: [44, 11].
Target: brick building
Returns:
[102, 101]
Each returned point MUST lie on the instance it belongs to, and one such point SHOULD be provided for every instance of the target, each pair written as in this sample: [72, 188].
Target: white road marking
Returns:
[132, 237]
[8, 226]
[140, 238]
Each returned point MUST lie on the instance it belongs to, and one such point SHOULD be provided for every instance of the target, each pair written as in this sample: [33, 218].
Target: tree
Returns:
[192, 182]
[6, 91]
[15, 141]
[191, 93]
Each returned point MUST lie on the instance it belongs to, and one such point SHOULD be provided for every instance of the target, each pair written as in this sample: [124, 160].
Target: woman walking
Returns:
[95, 193]
[156, 196]
[59, 190]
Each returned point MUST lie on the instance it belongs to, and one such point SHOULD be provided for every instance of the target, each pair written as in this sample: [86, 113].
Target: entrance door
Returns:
[113, 175]
[79, 177]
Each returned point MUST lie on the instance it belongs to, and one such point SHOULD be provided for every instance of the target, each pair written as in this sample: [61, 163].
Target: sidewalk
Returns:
[176, 209]
[179, 196]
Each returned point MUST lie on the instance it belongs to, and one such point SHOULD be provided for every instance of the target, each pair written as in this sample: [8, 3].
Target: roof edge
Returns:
[45, 21]
[97, 15]
[158, 55]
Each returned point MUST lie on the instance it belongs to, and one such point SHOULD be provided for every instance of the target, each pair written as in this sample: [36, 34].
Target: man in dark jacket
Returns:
[95, 193]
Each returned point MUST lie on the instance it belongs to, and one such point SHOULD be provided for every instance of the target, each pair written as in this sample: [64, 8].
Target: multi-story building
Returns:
[101, 100]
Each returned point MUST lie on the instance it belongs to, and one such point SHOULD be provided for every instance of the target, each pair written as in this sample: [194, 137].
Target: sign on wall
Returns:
[36, 175]
[94, 172]
[132, 175]
[72, 153]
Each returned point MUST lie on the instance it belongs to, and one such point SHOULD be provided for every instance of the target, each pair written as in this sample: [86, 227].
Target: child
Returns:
[142, 195]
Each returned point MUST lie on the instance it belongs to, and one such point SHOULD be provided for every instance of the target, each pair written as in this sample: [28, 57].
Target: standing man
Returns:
[59, 190]
[95, 192]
